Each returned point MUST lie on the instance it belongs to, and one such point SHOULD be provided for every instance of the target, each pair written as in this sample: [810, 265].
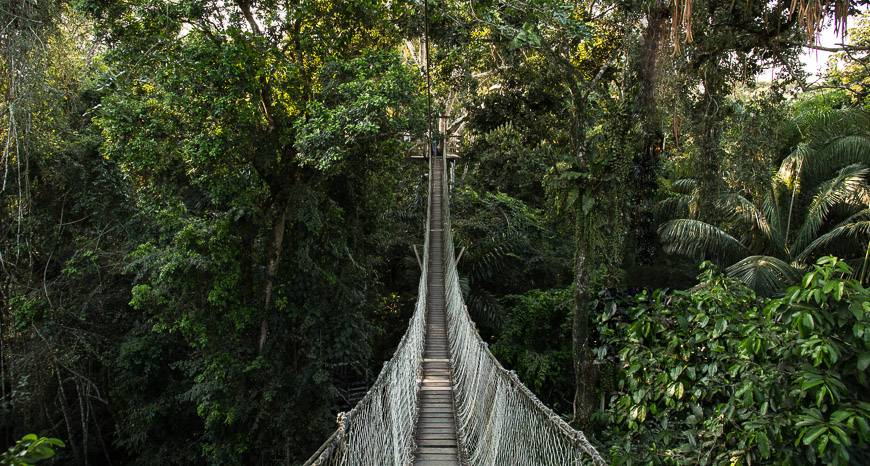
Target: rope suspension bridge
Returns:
[443, 398]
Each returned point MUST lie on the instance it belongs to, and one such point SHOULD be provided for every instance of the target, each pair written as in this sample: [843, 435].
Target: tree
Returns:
[546, 68]
[848, 68]
[261, 141]
[816, 203]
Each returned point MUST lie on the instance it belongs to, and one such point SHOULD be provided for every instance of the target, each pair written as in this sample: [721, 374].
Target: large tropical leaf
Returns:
[789, 173]
[821, 126]
[833, 138]
[685, 186]
[695, 238]
[854, 228]
[740, 210]
[683, 201]
[774, 215]
[767, 275]
[842, 151]
[849, 186]
[680, 205]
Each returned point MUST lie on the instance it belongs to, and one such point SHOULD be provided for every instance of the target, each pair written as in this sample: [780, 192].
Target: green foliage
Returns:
[535, 342]
[847, 70]
[360, 101]
[31, 449]
[205, 216]
[717, 375]
[508, 249]
[136, 241]
[499, 161]
[816, 203]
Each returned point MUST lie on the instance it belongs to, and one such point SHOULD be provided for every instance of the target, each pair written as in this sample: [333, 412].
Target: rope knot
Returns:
[340, 420]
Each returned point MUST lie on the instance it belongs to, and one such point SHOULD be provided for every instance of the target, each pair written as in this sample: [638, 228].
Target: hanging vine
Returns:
[810, 15]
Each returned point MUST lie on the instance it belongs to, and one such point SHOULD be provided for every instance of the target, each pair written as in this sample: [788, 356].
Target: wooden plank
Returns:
[436, 425]
[438, 451]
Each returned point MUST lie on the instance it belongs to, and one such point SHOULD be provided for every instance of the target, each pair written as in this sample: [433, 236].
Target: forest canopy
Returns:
[208, 212]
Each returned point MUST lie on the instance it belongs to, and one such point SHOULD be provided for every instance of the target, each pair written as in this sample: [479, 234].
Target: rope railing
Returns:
[499, 420]
[380, 428]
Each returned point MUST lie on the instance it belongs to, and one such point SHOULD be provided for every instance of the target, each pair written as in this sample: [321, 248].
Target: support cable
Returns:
[429, 135]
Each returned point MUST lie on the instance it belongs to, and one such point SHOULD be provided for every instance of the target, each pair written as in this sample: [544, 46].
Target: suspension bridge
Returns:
[443, 398]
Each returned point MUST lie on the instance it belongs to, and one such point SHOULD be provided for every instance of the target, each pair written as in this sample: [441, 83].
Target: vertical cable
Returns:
[428, 78]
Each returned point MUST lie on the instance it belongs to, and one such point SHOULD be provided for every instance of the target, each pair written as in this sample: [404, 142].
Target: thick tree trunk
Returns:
[584, 382]
[273, 261]
[583, 376]
[646, 161]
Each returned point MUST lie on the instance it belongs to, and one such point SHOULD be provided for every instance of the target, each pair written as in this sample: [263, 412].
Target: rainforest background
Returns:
[207, 212]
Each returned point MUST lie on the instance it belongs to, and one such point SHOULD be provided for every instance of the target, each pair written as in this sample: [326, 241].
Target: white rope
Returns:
[380, 427]
[500, 421]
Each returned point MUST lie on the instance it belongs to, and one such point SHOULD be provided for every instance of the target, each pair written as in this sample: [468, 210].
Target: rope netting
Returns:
[499, 420]
[380, 428]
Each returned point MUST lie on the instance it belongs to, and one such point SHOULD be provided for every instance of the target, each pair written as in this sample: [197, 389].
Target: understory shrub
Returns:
[719, 375]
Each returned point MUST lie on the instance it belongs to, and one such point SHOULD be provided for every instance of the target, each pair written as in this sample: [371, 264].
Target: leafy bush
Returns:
[717, 375]
[536, 342]
[29, 450]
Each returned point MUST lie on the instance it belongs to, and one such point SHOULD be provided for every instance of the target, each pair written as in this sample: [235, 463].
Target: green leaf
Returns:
[763, 444]
[814, 434]
[840, 415]
[721, 325]
[807, 322]
[572, 198]
[808, 278]
[863, 361]
[841, 288]
[587, 203]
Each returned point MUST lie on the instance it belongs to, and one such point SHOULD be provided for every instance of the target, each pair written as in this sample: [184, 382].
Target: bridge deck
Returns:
[436, 425]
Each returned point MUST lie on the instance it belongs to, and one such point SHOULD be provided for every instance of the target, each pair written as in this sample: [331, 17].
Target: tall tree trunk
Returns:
[273, 261]
[646, 160]
[583, 375]
[584, 262]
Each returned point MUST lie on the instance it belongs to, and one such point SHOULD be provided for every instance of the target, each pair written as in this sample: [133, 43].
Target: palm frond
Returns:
[773, 213]
[739, 209]
[685, 186]
[823, 125]
[848, 186]
[839, 152]
[698, 239]
[766, 275]
[855, 227]
[485, 308]
[788, 175]
[676, 206]
[683, 199]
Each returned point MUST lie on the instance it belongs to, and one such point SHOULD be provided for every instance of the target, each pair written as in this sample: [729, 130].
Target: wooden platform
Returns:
[436, 425]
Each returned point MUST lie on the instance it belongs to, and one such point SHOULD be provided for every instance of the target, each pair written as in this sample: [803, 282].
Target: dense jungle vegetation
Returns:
[207, 210]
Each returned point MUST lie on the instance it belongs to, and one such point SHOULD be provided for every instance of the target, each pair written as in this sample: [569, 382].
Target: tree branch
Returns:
[245, 7]
[842, 48]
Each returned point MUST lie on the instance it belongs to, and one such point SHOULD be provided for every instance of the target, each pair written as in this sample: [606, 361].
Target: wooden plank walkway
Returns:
[436, 425]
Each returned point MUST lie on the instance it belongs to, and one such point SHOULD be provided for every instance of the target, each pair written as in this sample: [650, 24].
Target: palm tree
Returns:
[818, 202]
